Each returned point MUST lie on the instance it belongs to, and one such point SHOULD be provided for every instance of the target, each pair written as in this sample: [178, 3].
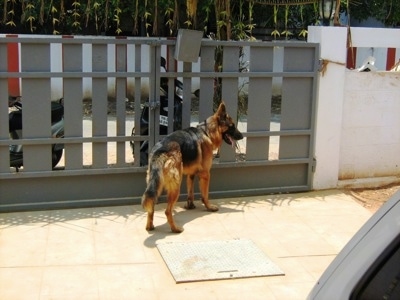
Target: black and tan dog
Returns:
[186, 152]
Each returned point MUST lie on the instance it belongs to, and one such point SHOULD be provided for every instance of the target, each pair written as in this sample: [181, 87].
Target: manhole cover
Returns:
[212, 260]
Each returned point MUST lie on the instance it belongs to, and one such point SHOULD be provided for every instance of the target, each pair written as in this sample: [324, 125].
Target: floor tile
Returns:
[70, 282]
[20, 283]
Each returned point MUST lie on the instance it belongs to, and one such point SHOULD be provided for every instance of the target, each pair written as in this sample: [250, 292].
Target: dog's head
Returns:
[230, 133]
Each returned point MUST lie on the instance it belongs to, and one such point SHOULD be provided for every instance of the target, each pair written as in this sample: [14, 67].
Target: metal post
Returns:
[154, 94]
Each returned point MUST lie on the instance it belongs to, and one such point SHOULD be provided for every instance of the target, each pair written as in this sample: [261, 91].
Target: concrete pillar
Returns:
[329, 103]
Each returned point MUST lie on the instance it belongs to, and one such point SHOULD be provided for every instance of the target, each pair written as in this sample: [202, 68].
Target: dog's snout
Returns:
[234, 132]
[238, 135]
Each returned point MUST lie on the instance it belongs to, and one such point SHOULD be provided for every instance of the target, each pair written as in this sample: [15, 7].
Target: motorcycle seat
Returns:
[57, 111]
[15, 120]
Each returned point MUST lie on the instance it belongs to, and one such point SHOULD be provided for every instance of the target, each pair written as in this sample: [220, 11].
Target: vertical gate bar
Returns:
[296, 102]
[120, 86]
[259, 103]
[4, 130]
[73, 91]
[187, 96]
[36, 98]
[230, 94]
[171, 67]
[297, 92]
[99, 105]
[296, 115]
[154, 94]
[206, 96]
[137, 97]
[311, 166]
[230, 85]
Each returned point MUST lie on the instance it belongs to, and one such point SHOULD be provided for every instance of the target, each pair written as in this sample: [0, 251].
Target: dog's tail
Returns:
[154, 184]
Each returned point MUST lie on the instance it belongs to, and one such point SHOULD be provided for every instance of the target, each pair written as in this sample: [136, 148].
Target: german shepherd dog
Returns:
[186, 152]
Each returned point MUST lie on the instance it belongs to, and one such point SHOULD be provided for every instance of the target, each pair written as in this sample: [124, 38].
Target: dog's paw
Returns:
[150, 228]
[190, 205]
[212, 208]
[177, 229]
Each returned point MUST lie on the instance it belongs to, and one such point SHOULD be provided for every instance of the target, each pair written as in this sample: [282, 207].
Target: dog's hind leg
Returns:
[173, 180]
[148, 204]
[204, 187]
[190, 191]
[149, 224]
[172, 198]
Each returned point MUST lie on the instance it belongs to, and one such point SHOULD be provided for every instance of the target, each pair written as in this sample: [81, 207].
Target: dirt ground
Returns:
[373, 198]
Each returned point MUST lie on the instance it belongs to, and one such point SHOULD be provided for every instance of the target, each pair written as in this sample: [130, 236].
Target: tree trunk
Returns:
[222, 14]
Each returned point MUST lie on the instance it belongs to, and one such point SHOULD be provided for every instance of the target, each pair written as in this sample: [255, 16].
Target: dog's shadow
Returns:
[182, 217]
[226, 206]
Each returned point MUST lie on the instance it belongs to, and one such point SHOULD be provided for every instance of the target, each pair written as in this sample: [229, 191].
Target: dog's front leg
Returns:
[204, 181]
[190, 191]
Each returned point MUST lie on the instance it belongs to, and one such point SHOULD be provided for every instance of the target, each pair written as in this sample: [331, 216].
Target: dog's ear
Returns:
[221, 111]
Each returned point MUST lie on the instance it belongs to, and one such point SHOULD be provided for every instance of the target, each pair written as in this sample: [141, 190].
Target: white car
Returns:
[368, 267]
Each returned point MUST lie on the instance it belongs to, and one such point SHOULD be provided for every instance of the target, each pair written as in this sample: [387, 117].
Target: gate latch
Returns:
[154, 104]
[314, 165]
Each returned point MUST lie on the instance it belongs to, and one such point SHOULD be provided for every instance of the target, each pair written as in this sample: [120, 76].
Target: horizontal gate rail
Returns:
[147, 74]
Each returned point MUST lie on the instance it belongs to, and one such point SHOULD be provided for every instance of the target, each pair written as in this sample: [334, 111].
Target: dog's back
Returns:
[186, 141]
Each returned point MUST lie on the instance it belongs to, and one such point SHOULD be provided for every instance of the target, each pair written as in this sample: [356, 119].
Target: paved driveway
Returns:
[105, 253]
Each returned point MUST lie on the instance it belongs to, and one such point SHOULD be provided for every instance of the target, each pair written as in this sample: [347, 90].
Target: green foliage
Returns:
[243, 21]
[386, 11]
[164, 17]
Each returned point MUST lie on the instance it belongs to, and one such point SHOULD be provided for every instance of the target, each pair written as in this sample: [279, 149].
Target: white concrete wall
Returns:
[358, 123]
[370, 144]
[375, 37]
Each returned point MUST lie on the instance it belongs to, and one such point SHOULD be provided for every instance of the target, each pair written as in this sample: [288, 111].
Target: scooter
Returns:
[144, 115]
[15, 130]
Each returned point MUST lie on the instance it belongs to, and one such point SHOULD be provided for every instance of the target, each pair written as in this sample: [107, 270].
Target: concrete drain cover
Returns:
[212, 260]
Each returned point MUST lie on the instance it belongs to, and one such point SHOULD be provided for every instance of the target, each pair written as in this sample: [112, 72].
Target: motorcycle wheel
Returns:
[144, 158]
[144, 155]
[56, 156]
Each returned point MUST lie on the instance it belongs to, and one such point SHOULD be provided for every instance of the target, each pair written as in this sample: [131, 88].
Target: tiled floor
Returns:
[105, 253]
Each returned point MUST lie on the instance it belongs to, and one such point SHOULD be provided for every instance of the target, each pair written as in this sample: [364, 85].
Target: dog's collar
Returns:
[203, 124]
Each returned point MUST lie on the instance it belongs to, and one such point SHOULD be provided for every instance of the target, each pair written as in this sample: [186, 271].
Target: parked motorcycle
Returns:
[15, 130]
[144, 115]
